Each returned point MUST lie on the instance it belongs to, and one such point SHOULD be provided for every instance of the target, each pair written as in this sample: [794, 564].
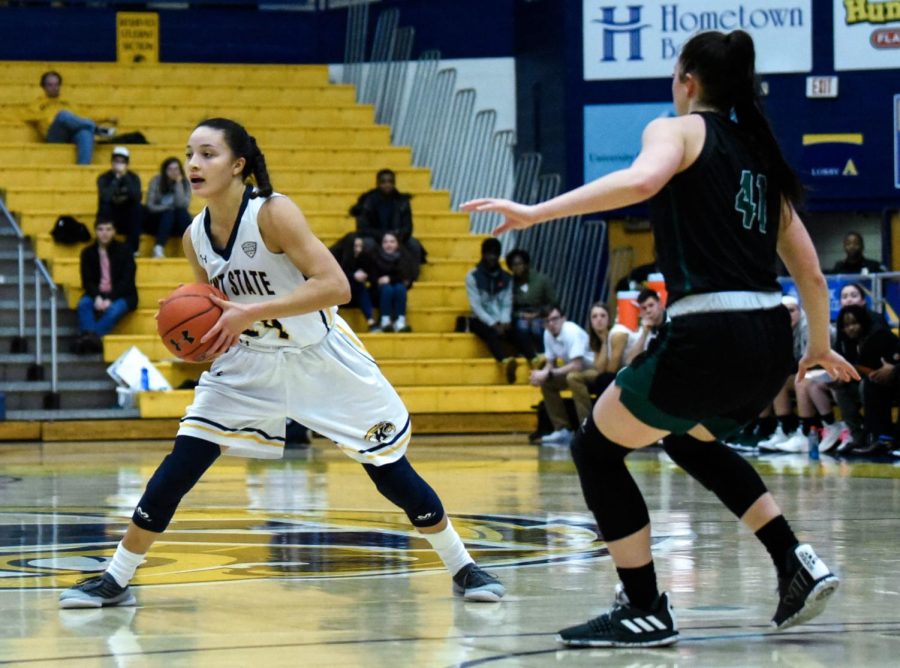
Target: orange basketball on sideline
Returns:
[185, 316]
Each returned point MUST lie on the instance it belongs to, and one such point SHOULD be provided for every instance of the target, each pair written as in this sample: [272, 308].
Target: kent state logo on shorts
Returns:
[381, 432]
[57, 548]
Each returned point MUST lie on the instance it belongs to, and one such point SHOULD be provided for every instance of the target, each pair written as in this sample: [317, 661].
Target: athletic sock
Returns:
[450, 548]
[827, 418]
[778, 540]
[640, 585]
[123, 565]
[789, 423]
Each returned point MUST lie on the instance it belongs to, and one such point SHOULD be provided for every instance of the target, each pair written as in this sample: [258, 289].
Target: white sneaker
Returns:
[773, 440]
[831, 434]
[559, 437]
[159, 251]
[795, 442]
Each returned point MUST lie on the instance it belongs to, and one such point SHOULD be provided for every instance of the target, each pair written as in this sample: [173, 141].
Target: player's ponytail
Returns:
[243, 145]
[259, 170]
[725, 65]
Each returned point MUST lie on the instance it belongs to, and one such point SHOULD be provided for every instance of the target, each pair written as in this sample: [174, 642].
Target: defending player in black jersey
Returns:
[722, 205]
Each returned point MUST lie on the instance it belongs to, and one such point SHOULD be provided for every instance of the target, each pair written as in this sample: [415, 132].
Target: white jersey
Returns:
[249, 273]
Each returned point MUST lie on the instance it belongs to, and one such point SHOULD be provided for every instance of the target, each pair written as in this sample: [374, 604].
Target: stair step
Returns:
[75, 414]
[440, 399]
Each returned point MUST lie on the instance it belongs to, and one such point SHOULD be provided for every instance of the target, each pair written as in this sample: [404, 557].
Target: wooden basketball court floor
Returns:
[300, 562]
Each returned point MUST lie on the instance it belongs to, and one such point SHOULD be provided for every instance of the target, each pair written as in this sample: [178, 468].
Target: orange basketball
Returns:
[185, 316]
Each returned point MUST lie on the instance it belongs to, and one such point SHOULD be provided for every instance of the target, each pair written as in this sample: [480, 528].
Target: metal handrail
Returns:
[40, 271]
[18, 345]
[40, 274]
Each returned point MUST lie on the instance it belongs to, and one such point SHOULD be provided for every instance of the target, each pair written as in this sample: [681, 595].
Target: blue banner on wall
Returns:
[897, 141]
[612, 134]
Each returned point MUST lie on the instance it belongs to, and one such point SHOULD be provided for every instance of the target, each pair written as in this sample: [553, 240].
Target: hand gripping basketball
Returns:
[185, 316]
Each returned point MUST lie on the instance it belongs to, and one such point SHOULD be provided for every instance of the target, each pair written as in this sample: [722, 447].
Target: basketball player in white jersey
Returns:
[280, 350]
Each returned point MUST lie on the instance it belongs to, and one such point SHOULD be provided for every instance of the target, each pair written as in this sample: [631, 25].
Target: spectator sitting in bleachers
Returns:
[359, 267]
[383, 209]
[592, 380]
[567, 349]
[55, 121]
[107, 278]
[393, 267]
[532, 294]
[119, 199]
[489, 290]
[869, 345]
[854, 261]
[653, 317]
[168, 199]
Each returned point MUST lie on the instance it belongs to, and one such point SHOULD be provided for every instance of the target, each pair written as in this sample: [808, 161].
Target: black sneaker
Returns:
[474, 584]
[805, 593]
[96, 592]
[626, 626]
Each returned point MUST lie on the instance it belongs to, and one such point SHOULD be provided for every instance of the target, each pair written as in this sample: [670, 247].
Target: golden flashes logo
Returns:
[222, 545]
[381, 432]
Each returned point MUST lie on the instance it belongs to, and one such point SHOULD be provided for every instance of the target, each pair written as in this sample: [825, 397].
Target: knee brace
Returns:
[718, 468]
[399, 483]
[609, 490]
[174, 478]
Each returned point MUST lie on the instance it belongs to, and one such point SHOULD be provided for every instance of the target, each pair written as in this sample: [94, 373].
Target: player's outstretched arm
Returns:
[799, 256]
[661, 157]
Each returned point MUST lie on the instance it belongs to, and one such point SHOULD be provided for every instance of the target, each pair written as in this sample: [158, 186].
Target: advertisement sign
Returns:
[629, 39]
[612, 134]
[833, 155]
[835, 283]
[866, 34]
[897, 141]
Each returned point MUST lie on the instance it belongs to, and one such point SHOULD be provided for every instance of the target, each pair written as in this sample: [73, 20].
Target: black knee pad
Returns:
[609, 490]
[718, 468]
[174, 478]
[399, 483]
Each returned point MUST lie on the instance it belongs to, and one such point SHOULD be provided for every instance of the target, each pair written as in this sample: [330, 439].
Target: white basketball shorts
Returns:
[333, 387]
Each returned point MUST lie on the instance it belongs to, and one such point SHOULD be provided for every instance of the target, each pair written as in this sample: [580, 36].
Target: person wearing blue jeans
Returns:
[54, 120]
[67, 128]
[107, 277]
[394, 268]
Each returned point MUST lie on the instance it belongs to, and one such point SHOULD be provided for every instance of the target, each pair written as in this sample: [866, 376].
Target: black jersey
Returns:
[716, 223]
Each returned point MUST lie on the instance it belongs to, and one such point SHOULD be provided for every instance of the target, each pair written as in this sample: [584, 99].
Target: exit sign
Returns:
[821, 86]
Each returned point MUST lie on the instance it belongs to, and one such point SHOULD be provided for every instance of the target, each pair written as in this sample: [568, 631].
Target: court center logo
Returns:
[230, 545]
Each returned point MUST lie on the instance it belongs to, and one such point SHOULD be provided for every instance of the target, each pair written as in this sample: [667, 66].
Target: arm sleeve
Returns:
[475, 300]
[578, 345]
[133, 183]
[123, 281]
[106, 187]
[506, 304]
[153, 196]
[89, 282]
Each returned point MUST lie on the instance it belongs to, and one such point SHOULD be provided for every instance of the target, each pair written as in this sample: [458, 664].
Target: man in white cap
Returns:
[119, 193]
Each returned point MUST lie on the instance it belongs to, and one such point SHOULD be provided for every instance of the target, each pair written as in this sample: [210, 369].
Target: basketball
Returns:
[185, 316]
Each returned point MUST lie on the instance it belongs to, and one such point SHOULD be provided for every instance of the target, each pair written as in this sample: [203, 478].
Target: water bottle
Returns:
[813, 443]
[145, 379]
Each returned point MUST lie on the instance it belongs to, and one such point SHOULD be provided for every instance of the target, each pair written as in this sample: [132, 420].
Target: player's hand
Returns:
[516, 216]
[235, 319]
[835, 366]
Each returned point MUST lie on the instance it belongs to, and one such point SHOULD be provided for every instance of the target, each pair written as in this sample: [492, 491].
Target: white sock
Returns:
[401, 321]
[123, 565]
[385, 320]
[450, 548]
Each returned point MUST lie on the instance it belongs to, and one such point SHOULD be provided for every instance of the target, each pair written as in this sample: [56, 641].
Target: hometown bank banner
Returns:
[629, 39]
[866, 34]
